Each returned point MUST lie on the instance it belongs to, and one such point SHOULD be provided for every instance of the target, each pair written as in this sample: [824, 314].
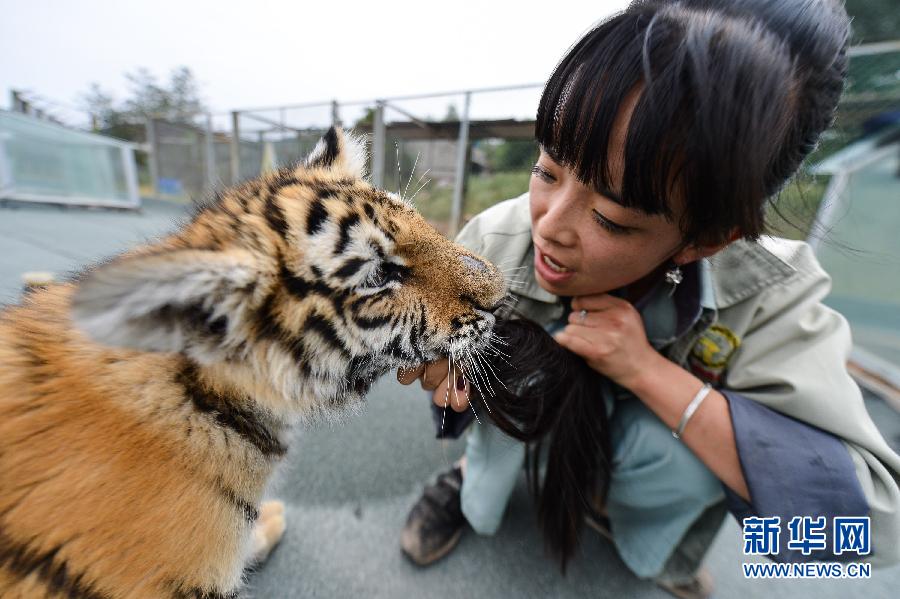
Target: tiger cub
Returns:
[144, 404]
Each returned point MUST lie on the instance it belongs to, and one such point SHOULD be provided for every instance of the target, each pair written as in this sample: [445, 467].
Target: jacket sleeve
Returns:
[799, 418]
[792, 469]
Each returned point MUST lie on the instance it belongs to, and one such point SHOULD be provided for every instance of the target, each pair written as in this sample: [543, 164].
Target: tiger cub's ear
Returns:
[341, 152]
[181, 300]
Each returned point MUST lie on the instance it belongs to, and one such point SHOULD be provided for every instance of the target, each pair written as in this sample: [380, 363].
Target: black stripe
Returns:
[322, 190]
[350, 268]
[316, 323]
[227, 414]
[326, 158]
[394, 349]
[303, 288]
[22, 561]
[417, 331]
[198, 317]
[361, 374]
[396, 272]
[267, 327]
[371, 322]
[283, 178]
[275, 217]
[366, 302]
[346, 223]
[247, 509]
[316, 217]
[266, 322]
[455, 324]
[370, 212]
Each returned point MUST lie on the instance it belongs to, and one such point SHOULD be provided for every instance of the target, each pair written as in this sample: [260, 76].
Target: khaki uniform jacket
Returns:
[768, 337]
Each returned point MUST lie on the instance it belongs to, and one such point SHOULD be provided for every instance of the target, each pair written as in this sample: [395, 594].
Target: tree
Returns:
[452, 114]
[178, 101]
[513, 155]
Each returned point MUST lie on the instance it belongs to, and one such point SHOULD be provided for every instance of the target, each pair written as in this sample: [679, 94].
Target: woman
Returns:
[663, 133]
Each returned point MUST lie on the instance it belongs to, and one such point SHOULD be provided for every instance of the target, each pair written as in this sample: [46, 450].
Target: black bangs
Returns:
[715, 92]
[582, 100]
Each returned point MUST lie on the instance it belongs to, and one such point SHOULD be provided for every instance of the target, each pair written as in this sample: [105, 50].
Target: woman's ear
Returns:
[694, 252]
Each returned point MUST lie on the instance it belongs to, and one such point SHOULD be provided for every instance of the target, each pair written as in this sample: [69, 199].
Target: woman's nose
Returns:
[556, 225]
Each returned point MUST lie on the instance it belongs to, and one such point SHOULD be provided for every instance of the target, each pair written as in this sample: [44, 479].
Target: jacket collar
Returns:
[745, 268]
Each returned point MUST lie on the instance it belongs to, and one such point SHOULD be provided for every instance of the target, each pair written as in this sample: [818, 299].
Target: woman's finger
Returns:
[405, 376]
[587, 318]
[452, 392]
[459, 393]
[574, 342]
[434, 373]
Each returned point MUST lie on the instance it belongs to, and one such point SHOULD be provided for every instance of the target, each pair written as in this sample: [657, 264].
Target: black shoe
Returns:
[436, 521]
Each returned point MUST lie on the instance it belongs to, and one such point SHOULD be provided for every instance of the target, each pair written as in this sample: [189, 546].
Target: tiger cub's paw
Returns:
[268, 530]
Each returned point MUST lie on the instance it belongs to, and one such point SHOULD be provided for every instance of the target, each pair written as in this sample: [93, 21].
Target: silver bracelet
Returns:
[691, 408]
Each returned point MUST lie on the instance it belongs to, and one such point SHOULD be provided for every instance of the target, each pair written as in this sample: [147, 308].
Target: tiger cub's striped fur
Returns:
[144, 404]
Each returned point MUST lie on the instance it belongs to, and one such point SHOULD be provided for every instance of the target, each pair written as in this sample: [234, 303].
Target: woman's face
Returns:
[599, 245]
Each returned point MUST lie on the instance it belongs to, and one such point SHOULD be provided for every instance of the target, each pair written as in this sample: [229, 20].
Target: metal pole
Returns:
[459, 185]
[211, 175]
[378, 140]
[335, 114]
[153, 158]
[19, 104]
[235, 147]
[131, 182]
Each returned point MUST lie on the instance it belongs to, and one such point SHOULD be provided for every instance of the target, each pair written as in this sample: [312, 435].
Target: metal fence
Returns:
[459, 152]
[431, 146]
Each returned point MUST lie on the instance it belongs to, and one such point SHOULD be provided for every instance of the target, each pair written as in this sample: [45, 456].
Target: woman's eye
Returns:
[608, 224]
[542, 173]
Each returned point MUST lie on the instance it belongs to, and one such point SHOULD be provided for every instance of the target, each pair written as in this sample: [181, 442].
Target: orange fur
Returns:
[137, 470]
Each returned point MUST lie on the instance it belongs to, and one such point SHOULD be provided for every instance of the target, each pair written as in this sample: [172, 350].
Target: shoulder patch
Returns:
[710, 355]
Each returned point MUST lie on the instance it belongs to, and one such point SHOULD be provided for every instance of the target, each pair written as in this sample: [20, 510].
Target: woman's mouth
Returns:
[549, 269]
[556, 267]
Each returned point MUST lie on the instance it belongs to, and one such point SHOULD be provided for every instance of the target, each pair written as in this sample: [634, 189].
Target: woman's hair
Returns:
[733, 95]
[546, 396]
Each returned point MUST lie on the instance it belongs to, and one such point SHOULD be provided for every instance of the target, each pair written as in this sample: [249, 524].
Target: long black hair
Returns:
[546, 396]
[733, 95]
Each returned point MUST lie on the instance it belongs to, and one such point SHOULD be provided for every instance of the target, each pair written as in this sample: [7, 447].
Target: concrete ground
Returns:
[348, 488]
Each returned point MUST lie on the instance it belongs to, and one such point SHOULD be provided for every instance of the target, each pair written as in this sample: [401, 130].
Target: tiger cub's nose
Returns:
[474, 264]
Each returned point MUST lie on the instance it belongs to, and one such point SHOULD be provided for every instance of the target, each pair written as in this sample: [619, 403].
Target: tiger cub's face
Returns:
[306, 285]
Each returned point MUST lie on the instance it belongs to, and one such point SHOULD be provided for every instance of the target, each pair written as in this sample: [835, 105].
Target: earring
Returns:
[674, 276]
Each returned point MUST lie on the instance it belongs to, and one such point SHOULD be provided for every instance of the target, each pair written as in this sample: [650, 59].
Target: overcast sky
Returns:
[270, 52]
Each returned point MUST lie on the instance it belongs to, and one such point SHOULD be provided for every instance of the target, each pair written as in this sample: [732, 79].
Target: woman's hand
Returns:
[450, 388]
[609, 334]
